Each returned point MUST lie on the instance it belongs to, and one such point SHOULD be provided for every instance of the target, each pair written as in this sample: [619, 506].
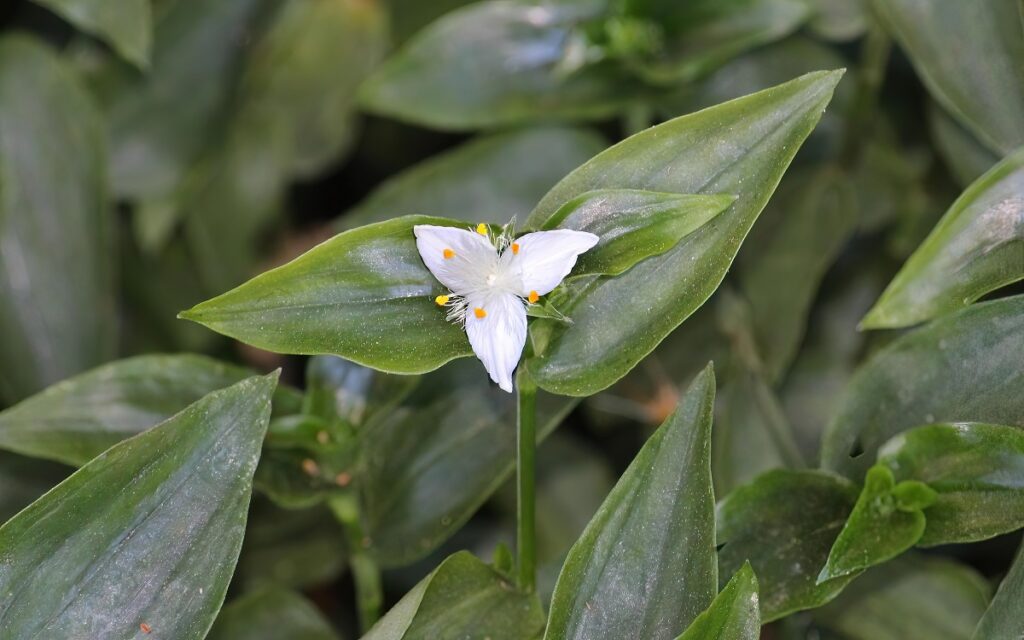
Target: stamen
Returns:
[515, 248]
[533, 297]
[448, 254]
[479, 313]
[481, 229]
[441, 300]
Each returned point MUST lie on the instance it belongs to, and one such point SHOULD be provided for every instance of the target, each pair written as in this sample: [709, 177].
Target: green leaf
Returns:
[633, 225]
[966, 158]
[493, 64]
[1004, 618]
[972, 467]
[270, 614]
[911, 598]
[101, 559]
[22, 480]
[364, 295]
[339, 390]
[126, 24]
[784, 523]
[645, 566]
[488, 179]
[880, 527]
[959, 367]
[734, 615]
[76, 420]
[462, 598]
[977, 247]
[56, 224]
[740, 147]
[980, 81]
[838, 20]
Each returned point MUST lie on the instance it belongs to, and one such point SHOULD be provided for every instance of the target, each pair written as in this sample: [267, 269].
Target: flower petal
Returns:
[544, 258]
[456, 257]
[499, 335]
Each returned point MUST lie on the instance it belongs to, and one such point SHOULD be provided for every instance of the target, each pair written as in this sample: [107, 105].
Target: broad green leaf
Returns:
[99, 559]
[633, 225]
[959, 367]
[741, 147]
[488, 179]
[125, 24]
[428, 465]
[271, 614]
[462, 598]
[912, 598]
[977, 247]
[22, 480]
[977, 471]
[1004, 618]
[966, 158]
[980, 80]
[56, 223]
[364, 295]
[784, 523]
[76, 420]
[409, 16]
[734, 615]
[881, 526]
[339, 390]
[645, 565]
[493, 64]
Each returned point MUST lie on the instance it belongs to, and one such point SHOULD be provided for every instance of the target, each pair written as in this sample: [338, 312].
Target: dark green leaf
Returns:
[964, 366]
[126, 24]
[966, 157]
[734, 615]
[980, 80]
[741, 147]
[784, 523]
[337, 389]
[462, 598]
[56, 224]
[147, 533]
[1004, 618]
[977, 470]
[839, 20]
[76, 420]
[22, 480]
[633, 225]
[645, 566]
[271, 614]
[364, 295]
[977, 247]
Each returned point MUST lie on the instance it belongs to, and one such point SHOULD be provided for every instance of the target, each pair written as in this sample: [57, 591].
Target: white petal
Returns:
[546, 257]
[472, 256]
[498, 338]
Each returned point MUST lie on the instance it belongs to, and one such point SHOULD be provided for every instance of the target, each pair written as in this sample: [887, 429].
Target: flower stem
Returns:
[365, 572]
[526, 443]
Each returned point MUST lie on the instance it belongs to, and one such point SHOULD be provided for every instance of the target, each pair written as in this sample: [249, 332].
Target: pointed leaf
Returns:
[740, 147]
[126, 24]
[734, 615]
[271, 614]
[1004, 618]
[147, 533]
[645, 566]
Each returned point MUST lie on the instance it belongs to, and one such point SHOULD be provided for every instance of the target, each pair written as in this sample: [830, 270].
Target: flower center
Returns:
[491, 279]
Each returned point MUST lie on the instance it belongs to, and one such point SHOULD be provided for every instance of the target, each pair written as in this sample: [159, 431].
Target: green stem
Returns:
[365, 572]
[526, 445]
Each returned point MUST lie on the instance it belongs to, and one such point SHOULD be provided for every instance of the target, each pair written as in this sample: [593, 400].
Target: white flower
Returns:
[492, 279]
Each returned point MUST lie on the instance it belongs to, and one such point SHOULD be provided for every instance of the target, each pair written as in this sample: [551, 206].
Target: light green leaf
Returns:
[462, 598]
[734, 615]
[271, 614]
[966, 158]
[977, 247]
[741, 147]
[97, 558]
[784, 523]
[56, 223]
[645, 566]
[633, 225]
[1004, 618]
[977, 471]
[493, 64]
[980, 80]
[959, 367]
[364, 295]
[125, 24]
[488, 179]
[76, 420]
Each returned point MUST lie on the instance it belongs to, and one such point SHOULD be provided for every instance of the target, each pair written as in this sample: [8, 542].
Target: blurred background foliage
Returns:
[159, 153]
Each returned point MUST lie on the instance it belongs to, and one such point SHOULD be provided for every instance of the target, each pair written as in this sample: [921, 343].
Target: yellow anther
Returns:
[479, 313]
[448, 254]
[441, 300]
[481, 229]
[515, 248]
[533, 297]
